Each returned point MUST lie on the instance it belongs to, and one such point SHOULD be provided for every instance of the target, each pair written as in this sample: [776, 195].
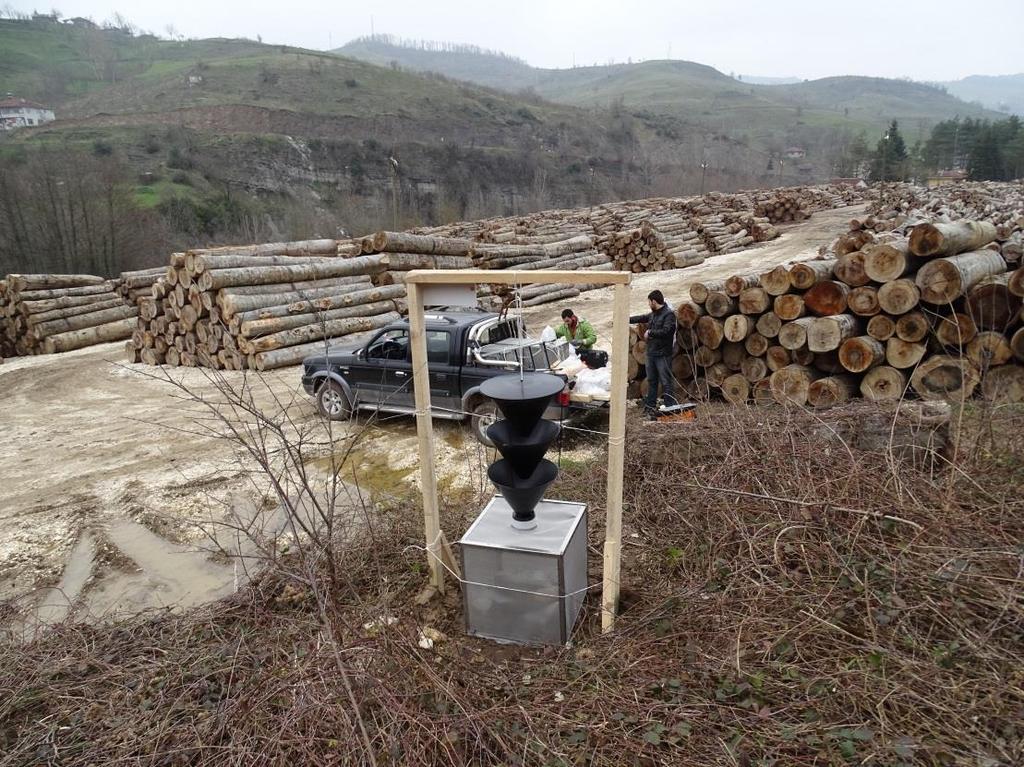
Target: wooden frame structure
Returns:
[437, 546]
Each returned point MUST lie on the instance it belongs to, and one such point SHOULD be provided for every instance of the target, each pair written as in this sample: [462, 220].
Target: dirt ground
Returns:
[106, 487]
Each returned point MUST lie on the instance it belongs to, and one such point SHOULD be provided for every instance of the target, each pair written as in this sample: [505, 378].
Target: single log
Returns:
[705, 356]
[720, 305]
[27, 308]
[825, 334]
[899, 296]
[756, 344]
[736, 389]
[232, 305]
[404, 242]
[688, 312]
[904, 354]
[87, 290]
[761, 392]
[945, 377]
[989, 349]
[716, 374]
[861, 353]
[327, 303]
[789, 306]
[1004, 384]
[738, 326]
[711, 331]
[754, 300]
[791, 385]
[850, 269]
[1017, 344]
[732, 355]
[912, 327]
[944, 279]
[950, 239]
[736, 284]
[317, 332]
[991, 304]
[777, 357]
[18, 283]
[754, 369]
[196, 264]
[682, 367]
[882, 327]
[776, 282]
[831, 391]
[1015, 283]
[686, 338]
[806, 274]
[79, 321]
[58, 314]
[793, 334]
[566, 263]
[769, 324]
[827, 298]
[335, 267]
[295, 287]
[77, 339]
[256, 328]
[888, 261]
[883, 384]
[863, 301]
[699, 290]
[955, 330]
[406, 262]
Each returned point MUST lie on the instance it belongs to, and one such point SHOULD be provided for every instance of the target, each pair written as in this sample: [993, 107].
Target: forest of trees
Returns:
[986, 150]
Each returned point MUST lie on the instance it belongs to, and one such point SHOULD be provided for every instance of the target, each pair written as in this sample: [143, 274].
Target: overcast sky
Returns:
[924, 40]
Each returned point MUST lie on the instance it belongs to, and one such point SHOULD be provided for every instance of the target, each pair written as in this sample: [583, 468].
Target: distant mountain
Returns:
[768, 117]
[1004, 93]
[755, 80]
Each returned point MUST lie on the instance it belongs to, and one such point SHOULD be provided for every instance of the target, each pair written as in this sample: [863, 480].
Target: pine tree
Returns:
[890, 161]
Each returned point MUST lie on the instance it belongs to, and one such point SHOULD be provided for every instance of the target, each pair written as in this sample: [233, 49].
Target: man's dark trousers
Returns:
[659, 372]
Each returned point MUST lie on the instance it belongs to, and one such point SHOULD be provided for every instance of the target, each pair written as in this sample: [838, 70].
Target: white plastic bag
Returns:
[548, 334]
[597, 381]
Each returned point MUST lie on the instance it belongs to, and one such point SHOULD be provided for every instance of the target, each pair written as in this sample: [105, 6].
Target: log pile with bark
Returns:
[228, 309]
[932, 311]
[49, 313]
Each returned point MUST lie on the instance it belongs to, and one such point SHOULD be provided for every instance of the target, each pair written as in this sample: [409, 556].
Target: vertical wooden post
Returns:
[616, 455]
[425, 433]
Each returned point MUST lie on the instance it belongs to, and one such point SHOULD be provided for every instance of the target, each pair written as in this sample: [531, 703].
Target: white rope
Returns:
[462, 581]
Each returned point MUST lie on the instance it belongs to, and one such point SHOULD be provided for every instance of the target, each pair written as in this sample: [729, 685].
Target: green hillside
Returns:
[809, 113]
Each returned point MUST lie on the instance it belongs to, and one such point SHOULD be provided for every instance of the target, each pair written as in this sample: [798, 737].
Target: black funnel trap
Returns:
[523, 453]
[522, 494]
[522, 400]
[522, 438]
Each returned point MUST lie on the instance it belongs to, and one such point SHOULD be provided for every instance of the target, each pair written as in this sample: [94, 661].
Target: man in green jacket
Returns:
[579, 332]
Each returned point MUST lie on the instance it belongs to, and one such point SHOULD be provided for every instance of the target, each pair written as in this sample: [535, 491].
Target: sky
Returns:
[781, 38]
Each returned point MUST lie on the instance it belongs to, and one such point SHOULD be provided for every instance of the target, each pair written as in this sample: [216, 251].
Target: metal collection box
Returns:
[525, 586]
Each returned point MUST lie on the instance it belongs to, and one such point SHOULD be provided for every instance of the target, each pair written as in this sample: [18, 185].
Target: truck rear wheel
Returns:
[482, 415]
[332, 402]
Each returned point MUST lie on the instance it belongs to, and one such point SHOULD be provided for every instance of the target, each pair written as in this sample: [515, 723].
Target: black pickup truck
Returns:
[464, 348]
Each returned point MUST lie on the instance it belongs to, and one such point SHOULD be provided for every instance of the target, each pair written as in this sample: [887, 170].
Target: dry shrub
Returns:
[828, 603]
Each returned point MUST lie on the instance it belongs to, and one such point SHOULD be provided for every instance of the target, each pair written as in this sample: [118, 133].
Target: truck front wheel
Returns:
[332, 402]
[482, 415]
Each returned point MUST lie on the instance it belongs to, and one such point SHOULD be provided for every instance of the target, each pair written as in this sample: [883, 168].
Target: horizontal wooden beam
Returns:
[512, 277]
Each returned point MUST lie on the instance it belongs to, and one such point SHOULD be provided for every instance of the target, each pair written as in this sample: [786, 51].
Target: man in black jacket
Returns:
[660, 337]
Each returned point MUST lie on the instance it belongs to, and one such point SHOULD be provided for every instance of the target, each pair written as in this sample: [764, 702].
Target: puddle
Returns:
[370, 471]
[55, 603]
[168, 575]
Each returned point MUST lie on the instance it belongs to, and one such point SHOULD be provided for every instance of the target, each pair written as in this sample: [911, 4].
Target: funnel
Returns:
[522, 400]
[523, 453]
[522, 494]
[522, 438]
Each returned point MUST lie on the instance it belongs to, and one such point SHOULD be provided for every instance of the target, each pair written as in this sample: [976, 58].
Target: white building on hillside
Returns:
[20, 113]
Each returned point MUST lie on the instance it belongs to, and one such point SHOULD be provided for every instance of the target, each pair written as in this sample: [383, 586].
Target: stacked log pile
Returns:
[49, 313]
[933, 311]
[227, 310]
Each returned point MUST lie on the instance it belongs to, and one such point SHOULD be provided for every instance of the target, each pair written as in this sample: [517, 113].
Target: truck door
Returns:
[443, 369]
[386, 378]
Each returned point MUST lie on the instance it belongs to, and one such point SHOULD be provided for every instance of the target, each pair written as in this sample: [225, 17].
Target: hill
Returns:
[229, 140]
[808, 113]
[1001, 92]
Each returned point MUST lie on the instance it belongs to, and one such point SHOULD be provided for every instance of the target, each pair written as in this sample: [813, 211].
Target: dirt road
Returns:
[106, 486]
